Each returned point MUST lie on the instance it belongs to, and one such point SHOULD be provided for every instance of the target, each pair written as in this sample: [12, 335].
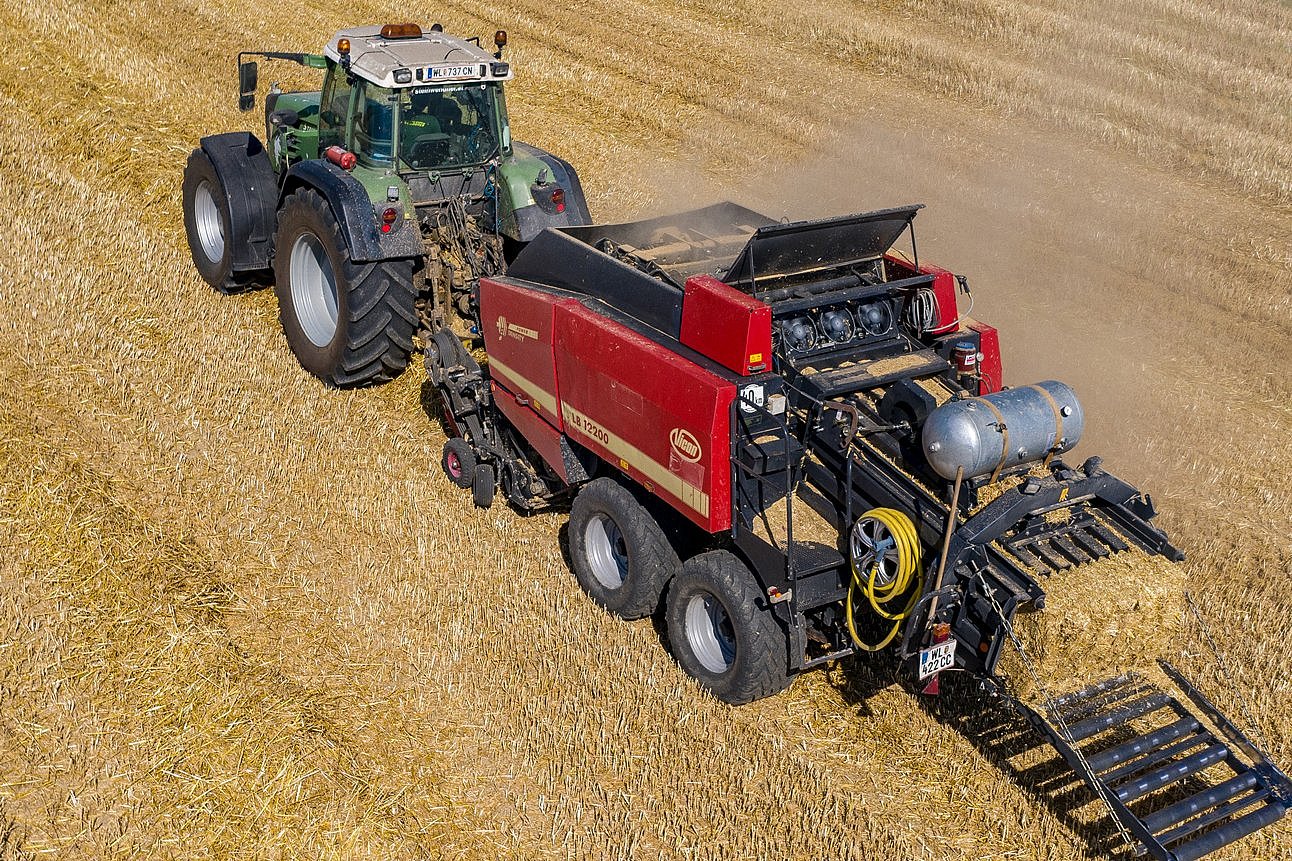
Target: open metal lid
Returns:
[777, 250]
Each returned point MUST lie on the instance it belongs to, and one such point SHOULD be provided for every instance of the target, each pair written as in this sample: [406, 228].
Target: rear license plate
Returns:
[937, 658]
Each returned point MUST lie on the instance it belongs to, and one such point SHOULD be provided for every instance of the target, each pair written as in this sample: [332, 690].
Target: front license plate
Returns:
[937, 658]
[452, 73]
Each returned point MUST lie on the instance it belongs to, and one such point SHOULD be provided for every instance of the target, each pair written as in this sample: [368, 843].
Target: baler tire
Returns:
[459, 462]
[610, 527]
[716, 602]
[208, 225]
[373, 304]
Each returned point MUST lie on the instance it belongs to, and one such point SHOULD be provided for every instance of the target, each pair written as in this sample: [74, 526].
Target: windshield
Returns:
[448, 127]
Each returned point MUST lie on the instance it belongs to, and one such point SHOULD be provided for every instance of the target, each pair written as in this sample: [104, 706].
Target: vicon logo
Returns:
[684, 444]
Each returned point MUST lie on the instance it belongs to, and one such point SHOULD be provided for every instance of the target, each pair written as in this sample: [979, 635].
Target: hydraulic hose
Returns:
[903, 538]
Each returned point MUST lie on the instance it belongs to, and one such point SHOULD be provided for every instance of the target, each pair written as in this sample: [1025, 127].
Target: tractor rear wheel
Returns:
[350, 324]
[620, 556]
[207, 223]
[722, 632]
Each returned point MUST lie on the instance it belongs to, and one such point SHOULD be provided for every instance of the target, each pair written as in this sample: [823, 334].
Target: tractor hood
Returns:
[806, 246]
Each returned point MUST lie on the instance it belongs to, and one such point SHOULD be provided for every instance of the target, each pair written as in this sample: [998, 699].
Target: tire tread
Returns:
[762, 669]
[381, 315]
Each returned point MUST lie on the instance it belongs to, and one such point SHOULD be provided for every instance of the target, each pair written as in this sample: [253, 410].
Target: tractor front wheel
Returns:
[721, 630]
[207, 223]
[350, 324]
[621, 557]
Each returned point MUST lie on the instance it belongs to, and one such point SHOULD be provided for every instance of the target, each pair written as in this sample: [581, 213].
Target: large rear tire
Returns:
[208, 226]
[349, 324]
[621, 557]
[721, 630]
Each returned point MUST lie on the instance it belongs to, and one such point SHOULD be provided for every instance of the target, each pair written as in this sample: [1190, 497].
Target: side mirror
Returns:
[248, 77]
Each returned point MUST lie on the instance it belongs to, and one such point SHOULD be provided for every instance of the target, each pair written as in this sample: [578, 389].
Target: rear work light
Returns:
[401, 31]
[340, 157]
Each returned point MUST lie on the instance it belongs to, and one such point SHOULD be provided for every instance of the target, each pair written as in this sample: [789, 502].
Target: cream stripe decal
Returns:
[638, 459]
[544, 399]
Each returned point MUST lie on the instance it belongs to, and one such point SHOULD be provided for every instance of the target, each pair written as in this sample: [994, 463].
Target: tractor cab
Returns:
[409, 101]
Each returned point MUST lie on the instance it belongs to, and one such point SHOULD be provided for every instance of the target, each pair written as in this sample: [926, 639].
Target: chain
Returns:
[1253, 728]
[1100, 789]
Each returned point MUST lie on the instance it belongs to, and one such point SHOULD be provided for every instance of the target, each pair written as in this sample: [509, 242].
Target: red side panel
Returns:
[661, 419]
[518, 337]
[730, 327]
[518, 326]
[545, 439]
[989, 366]
[944, 293]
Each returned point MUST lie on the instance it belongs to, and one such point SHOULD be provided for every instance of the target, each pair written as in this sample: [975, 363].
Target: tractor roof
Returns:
[428, 57]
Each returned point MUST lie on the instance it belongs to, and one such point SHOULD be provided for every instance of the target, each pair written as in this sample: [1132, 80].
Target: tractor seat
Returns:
[449, 115]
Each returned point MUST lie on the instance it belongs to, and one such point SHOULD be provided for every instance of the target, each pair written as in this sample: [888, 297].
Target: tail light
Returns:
[388, 217]
[340, 157]
[558, 199]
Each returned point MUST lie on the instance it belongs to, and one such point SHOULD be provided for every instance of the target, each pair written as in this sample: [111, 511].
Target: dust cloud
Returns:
[1098, 270]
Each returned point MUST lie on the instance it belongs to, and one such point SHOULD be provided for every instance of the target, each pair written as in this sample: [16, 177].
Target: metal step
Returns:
[1169, 817]
[1106, 759]
[1230, 832]
[1171, 773]
[1146, 761]
[1213, 816]
[811, 557]
[1147, 704]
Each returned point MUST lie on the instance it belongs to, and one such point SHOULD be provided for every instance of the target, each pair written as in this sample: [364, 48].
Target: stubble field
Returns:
[242, 616]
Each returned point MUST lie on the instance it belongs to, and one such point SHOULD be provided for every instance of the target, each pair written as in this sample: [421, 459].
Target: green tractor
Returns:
[380, 200]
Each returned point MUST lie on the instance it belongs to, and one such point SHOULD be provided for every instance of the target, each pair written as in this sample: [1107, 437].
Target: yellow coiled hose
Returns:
[907, 542]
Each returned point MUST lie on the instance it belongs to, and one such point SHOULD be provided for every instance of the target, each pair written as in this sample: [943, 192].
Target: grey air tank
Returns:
[1016, 426]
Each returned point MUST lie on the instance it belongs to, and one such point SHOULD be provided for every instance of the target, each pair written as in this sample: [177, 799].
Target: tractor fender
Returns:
[251, 190]
[354, 212]
[529, 221]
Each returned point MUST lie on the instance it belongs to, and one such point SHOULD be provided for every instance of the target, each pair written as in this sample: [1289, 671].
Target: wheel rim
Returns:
[206, 218]
[709, 633]
[607, 551]
[313, 290]
[455, 465]
[872, 541]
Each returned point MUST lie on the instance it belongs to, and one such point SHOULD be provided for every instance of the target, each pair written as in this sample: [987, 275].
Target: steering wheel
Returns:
[475, 141]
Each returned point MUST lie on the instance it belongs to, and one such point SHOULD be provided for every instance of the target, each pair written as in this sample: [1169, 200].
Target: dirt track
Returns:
[243, 616]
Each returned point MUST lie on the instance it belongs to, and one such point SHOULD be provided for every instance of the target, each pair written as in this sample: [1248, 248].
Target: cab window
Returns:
[448, 127]
[334, 107]
[374, 124]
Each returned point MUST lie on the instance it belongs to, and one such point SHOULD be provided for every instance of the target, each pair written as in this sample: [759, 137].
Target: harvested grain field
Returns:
[243, 616]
